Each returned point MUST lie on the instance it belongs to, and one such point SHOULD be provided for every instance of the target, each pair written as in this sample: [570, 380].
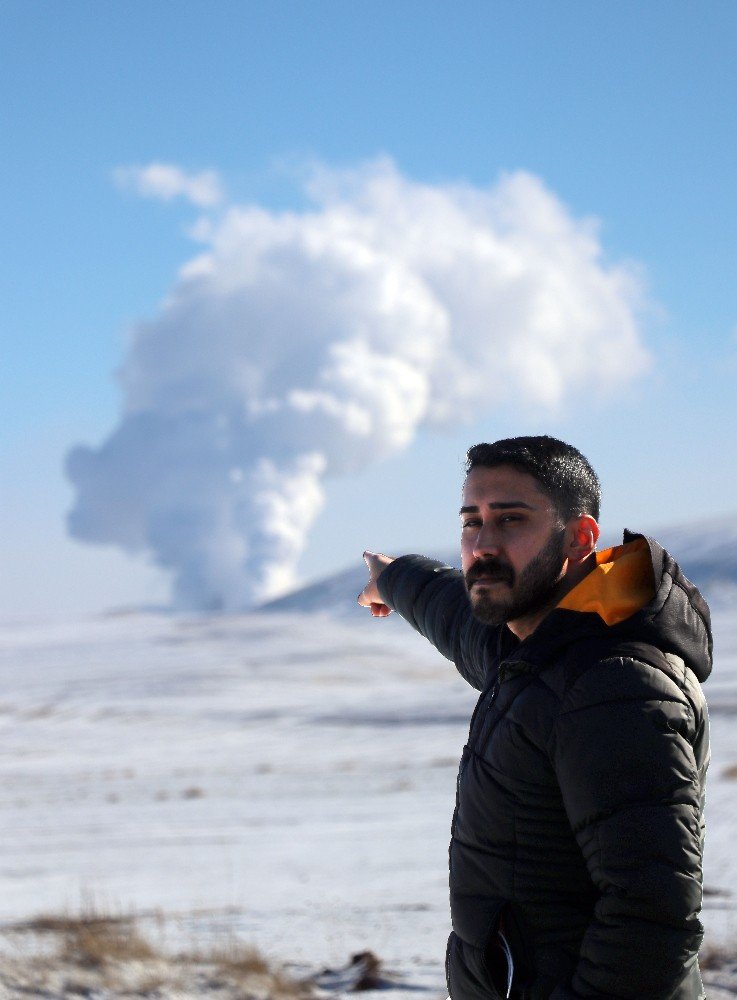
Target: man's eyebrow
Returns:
[499, 505]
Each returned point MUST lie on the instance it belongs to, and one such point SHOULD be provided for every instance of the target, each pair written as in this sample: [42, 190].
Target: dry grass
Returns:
[242, 964]
[239, 959]
[90, 939]
[95, 953]
[102, 943]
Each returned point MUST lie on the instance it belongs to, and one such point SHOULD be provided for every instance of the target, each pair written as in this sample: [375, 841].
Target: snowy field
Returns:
[280, 777]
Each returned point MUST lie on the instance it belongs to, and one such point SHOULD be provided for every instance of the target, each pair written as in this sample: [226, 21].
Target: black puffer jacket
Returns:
[578, 829]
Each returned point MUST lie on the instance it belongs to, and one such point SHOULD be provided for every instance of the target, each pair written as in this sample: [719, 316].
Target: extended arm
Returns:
[432, 598]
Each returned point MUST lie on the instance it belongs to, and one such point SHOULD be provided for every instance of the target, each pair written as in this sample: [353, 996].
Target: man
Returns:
[576, 843]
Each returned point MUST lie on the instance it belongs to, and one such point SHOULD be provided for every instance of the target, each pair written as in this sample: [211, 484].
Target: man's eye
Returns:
[470, 524]
[509, 517]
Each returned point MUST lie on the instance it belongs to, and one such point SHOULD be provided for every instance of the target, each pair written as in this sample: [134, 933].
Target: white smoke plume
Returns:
[301, 345]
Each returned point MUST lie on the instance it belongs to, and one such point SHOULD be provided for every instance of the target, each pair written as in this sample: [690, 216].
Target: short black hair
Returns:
[563, 473]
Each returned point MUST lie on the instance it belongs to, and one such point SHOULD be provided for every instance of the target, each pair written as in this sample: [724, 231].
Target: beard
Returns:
[535, 587]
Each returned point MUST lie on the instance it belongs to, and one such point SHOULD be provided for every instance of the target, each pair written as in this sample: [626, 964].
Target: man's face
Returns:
[511, 545]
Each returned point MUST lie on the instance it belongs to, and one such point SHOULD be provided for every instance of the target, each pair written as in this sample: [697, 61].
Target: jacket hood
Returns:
[636, 592]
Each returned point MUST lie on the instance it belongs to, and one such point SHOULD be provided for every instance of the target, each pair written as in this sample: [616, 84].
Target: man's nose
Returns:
[486, 542]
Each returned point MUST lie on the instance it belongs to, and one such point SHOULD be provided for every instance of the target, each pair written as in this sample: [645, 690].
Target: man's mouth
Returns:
[482, 576]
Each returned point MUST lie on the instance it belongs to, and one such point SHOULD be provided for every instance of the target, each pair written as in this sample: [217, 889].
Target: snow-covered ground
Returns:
[284, 777]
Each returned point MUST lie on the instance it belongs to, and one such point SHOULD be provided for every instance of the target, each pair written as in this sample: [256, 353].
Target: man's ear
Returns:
[583, 534]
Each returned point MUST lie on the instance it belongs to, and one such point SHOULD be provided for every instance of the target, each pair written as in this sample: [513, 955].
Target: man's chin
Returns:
[487, 611]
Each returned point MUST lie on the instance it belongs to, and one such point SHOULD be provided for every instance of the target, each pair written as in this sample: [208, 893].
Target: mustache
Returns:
[493, 568]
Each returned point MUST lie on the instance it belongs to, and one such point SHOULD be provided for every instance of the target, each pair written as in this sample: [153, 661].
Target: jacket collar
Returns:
[664, 609]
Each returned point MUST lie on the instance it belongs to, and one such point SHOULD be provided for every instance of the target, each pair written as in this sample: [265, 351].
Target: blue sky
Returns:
[624, 112]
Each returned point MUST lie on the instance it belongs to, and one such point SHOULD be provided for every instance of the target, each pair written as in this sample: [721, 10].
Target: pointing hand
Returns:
[370, 596]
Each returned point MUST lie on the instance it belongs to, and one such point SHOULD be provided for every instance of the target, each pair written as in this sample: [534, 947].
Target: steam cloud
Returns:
[301, 345]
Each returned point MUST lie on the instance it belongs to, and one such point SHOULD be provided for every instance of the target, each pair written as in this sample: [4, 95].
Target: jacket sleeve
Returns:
[432, 598]
[633, 791]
